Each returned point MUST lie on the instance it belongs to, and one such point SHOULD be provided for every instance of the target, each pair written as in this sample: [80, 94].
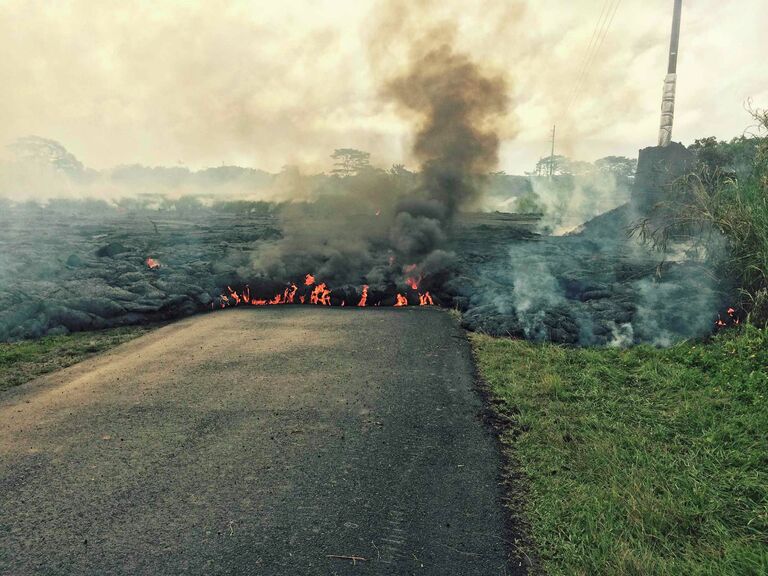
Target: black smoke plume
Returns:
[454, 107]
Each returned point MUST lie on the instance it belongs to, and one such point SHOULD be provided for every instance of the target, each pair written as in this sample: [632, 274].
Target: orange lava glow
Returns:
[318, 294]
[413, 280]
[731, 320]
[364, 297]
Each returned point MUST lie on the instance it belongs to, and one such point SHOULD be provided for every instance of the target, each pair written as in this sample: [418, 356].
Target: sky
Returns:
[269, 84]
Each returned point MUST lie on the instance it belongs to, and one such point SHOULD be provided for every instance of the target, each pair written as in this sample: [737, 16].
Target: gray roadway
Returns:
[259, 441]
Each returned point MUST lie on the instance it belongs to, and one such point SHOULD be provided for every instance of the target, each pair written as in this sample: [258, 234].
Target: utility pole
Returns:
[668, 96]
[552, 155]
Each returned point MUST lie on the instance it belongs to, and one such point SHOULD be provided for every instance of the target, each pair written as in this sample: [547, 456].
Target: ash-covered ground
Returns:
[80, 265]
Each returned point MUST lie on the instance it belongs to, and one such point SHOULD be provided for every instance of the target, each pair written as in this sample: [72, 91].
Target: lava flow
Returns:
[319, 294]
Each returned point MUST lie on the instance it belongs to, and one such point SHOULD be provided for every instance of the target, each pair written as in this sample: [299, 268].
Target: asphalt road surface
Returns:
[260, 441]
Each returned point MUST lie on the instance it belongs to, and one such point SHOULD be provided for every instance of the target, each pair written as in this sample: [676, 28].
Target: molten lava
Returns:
[364, 297]
[311, 293]
[320, 295]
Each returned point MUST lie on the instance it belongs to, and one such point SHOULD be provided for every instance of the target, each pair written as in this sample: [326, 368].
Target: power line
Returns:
[602, 34]
[588, 53]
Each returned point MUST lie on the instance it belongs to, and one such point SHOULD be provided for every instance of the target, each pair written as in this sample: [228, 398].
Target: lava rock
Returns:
[74, 261]
[111, 250]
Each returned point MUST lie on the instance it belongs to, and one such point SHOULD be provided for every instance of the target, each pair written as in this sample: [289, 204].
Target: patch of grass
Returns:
[23, 361]
[640, 461]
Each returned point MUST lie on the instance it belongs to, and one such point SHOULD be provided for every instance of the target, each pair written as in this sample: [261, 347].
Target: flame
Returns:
[412, 279]
[152, 263]
[291, 293]
[320, 295]
[234, 295]
[732, 318]
[311, 293]
[364, 297]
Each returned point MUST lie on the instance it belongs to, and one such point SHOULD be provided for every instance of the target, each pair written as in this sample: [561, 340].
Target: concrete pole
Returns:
[668, 96]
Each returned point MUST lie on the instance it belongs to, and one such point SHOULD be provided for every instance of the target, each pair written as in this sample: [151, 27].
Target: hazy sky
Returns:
[266, 84]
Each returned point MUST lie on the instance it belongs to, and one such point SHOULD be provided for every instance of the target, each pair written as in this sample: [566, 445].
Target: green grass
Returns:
[23, 361]
[639, 461]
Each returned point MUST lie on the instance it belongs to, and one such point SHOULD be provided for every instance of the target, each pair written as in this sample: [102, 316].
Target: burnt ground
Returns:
[257, 441]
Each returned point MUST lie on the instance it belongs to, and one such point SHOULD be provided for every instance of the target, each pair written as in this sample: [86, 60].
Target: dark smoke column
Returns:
[457, 107]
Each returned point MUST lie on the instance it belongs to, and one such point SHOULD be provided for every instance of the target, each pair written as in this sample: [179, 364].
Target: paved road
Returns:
[256, 442]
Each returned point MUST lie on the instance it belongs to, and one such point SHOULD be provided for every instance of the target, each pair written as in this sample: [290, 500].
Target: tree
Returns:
[557, 162]
[562, 166]
[734, 158]
[621, 167]
[349, 161]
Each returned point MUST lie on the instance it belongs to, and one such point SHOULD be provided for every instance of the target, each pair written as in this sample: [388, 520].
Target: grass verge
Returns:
[638, 461]
[23, 361]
